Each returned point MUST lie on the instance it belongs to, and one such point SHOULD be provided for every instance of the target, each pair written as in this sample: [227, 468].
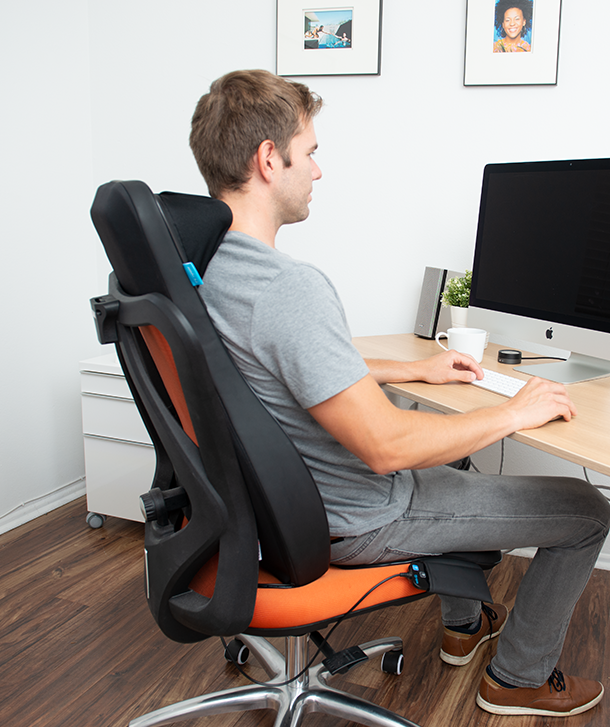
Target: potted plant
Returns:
[457, 295]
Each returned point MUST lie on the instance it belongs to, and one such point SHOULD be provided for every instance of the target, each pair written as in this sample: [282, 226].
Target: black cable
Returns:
[320, 647]
[502, 458]
[599, 487]
[536, 358]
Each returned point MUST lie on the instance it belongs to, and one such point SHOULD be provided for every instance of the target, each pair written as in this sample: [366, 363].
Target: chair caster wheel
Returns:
[237, 652]
[392, 662]
[95, 520]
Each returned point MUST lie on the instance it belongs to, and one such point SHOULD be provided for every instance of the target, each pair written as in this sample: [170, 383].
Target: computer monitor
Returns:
[541, 271]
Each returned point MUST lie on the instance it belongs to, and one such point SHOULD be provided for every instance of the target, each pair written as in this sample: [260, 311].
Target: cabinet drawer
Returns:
[117, 474]
[105, 384]
[113, 417]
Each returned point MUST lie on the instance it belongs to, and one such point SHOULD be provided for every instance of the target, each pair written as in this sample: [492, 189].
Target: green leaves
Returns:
[457, 291]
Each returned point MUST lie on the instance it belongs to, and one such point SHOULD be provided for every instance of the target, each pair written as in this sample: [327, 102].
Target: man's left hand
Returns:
[450, 366]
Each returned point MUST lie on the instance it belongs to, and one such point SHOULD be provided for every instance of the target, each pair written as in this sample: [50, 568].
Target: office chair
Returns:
[236, 536]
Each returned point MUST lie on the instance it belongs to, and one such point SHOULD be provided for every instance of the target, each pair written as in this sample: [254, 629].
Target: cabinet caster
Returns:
[237, 652]
[95, 520]
[392, 662]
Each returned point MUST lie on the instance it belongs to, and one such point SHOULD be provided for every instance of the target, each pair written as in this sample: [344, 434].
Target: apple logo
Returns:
[549, 333]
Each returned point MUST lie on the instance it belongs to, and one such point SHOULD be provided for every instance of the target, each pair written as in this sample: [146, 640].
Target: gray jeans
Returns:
[566, 519]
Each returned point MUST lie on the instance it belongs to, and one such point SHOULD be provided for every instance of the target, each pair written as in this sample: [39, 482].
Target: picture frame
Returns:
[328, 39]
[512, 48]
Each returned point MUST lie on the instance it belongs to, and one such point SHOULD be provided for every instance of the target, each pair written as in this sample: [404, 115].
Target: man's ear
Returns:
[267, 159]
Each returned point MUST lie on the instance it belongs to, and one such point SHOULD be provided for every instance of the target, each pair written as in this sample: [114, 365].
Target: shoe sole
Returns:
[463, 660]
[499, 709]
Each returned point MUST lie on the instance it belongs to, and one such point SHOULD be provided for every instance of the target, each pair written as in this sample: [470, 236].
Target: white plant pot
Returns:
[459, 317]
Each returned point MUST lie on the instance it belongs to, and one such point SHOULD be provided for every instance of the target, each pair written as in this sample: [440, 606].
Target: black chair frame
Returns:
[222, 490]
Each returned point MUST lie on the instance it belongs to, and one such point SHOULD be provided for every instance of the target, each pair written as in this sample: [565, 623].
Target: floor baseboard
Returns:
[41, 505]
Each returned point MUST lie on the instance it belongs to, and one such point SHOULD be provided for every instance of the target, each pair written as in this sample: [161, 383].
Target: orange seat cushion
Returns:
[326, 598]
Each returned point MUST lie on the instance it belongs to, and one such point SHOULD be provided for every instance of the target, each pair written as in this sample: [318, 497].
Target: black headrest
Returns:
[199, 223]
[130, 211]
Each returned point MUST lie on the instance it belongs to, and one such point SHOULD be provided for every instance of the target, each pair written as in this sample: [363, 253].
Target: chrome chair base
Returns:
[305, 693]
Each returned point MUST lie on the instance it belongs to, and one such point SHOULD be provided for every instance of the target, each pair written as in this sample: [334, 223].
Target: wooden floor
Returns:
[78, 646]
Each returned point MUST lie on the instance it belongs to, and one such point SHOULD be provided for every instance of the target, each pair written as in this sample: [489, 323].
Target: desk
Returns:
[585, 440]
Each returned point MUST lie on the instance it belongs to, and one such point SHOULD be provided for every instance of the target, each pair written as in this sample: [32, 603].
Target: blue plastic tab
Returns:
[193, 274]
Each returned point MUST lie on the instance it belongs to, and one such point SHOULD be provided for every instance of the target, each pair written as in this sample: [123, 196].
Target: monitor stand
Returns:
[576, 368]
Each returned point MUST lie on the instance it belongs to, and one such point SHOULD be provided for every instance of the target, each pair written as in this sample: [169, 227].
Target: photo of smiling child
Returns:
[513, 26]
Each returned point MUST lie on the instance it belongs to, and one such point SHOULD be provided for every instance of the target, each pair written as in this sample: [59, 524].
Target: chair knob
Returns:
[156, 504]
[148, 507]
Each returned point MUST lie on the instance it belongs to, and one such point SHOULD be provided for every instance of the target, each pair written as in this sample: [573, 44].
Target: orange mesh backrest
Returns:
[166, 366]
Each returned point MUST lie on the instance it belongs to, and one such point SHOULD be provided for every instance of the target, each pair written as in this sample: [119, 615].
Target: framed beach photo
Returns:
[511, 42]
[328, 40]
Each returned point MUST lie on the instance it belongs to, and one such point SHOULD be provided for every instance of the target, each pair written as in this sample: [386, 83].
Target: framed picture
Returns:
[328, 40]
[511, 42]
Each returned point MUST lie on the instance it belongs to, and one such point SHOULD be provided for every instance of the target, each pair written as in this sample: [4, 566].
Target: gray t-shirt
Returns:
[285, 327]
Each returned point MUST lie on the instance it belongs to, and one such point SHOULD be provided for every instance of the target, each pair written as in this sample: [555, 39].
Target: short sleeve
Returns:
[300, 334]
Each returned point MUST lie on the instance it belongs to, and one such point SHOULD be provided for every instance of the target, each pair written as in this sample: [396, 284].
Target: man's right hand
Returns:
[540, 401]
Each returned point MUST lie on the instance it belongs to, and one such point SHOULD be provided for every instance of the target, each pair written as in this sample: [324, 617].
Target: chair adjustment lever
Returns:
[157, 504]
[342, 661]
[105, 311]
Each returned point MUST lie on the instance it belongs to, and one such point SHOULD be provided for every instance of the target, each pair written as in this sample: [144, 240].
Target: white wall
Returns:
[47, 253]
[110, 94]
[402, 154]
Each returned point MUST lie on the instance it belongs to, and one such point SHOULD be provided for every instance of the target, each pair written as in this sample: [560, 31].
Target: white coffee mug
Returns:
[465, 340]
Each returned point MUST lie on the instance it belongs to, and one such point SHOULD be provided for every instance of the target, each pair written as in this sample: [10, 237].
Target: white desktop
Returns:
[541, 271]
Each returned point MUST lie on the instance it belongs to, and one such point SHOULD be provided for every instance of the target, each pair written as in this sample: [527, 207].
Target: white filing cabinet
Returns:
[119, 456]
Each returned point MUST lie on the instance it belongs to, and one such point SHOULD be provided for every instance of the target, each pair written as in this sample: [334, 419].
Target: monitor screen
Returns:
[543, 251]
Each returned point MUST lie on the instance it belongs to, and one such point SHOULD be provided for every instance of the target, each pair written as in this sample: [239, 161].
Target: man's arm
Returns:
[440, 369]
[387, 439]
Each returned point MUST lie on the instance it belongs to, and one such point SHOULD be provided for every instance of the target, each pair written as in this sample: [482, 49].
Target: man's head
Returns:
[243, 109]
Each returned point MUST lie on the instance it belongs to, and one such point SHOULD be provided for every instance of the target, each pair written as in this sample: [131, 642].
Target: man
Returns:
[381, 470]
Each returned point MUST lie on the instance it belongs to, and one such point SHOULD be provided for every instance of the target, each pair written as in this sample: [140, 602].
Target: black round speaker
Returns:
[509, 356]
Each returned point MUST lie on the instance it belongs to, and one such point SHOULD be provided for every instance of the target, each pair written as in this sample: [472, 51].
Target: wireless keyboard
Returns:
[500, 383]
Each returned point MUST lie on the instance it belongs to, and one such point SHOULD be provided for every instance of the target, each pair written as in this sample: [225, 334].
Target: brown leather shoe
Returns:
[559, 697]
[459, 649]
